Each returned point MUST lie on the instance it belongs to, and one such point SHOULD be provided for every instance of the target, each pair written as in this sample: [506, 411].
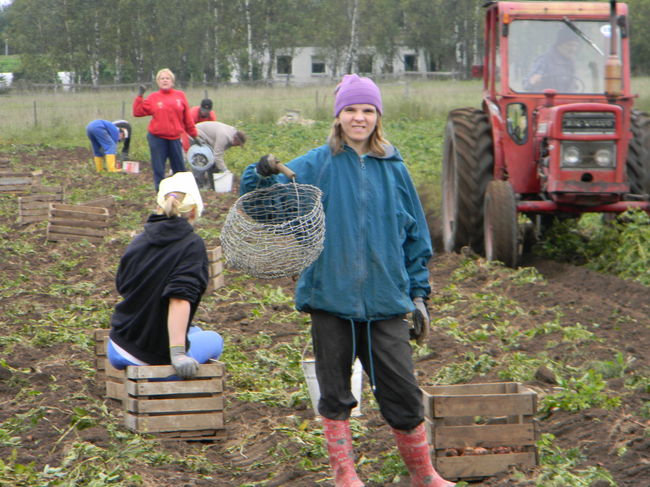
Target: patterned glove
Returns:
[420, 321]
[266, 166]
[186, 367]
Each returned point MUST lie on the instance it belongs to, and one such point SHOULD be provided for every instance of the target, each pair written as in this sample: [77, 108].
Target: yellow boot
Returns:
[99, 163]
[110, 163]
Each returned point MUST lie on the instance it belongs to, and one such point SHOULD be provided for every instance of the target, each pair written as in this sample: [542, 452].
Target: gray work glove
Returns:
[186, 367]
[141, 90]
[420, 321]
[197, 140]
[267, 166]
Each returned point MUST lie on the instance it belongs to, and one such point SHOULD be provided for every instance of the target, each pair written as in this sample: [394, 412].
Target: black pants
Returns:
[384, 351]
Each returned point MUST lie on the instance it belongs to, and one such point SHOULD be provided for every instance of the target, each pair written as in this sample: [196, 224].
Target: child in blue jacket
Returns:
[371, 273]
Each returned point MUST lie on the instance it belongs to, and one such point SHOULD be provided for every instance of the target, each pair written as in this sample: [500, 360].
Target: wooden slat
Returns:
[80, 214]
[115, 390]
[215, 254]
[472, 466]
[215, 268]
[57, 190]
[179, 422]
[15, 179]
[140, 388]
[77, 223]
[31, 218]
[79, 231]
[213, 369]
[62, 237]
[487, 436]
[468, 389]
[40, 197]
[92, 210]
[20, 188]
[183, 405]
[483, 405]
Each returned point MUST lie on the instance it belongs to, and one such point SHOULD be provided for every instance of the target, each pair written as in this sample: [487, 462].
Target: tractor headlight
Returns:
[596, 154]
[571, 156]
[603, 157]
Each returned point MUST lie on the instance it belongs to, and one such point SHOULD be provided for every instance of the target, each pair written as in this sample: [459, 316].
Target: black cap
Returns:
[206, 104]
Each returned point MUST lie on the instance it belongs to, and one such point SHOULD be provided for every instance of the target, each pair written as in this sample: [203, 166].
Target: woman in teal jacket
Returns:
[371, 273]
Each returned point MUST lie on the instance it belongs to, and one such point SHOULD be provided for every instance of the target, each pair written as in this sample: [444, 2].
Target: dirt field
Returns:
[614, 310]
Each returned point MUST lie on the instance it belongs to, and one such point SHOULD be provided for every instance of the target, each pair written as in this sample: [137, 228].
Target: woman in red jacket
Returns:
[170, 117]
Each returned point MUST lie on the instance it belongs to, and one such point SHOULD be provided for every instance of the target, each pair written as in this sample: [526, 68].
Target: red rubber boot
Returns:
[339, 446]
[414, 449]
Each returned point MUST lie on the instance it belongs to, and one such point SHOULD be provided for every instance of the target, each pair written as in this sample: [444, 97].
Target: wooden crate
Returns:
[5, 164]
[76, 222]
[497, 417]
[190, 409]
[215, 269]
[35, 207]
[19, 182]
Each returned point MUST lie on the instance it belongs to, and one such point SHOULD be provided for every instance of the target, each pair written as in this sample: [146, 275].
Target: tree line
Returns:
[125, 41]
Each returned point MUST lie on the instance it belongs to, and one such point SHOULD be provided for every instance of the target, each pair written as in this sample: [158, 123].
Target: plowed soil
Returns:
[615, 310]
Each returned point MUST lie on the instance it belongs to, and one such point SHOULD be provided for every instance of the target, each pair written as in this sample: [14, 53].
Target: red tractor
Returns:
[557, 134]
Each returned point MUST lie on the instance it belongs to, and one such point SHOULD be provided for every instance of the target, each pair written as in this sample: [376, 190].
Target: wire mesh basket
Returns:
[276, 231]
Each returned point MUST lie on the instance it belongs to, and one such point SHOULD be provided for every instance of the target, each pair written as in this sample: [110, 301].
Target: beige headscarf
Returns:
[183, 182]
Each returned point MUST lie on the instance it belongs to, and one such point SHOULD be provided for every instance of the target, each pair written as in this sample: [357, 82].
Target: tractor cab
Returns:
[557, 133]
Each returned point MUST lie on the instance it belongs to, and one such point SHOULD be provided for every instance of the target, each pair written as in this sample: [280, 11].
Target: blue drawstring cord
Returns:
[370, 360]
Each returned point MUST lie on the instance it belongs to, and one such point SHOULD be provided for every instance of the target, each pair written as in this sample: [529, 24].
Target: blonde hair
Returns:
[166, 71]
[173, 206]
[376, 141]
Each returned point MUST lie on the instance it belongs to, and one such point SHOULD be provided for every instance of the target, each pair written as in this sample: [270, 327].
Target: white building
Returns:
[310, 65]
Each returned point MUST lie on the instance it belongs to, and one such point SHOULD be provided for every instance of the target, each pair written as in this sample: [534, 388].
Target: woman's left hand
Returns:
[420, 320]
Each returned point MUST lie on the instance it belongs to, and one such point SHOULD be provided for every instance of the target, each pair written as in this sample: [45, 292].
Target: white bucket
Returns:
[222, 181]
[309, 369]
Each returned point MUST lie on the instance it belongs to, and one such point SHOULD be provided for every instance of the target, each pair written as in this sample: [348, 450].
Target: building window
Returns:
[317, 66]
[283, 64]
[365, 63]
[410, 62]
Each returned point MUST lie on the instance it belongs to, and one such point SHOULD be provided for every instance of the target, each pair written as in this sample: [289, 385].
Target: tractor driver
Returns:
[556, 68]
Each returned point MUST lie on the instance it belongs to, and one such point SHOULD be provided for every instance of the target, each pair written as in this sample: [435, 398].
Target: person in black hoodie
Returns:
[161, 278]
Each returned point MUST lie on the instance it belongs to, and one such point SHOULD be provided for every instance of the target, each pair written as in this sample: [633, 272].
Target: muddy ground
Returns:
[615, 310]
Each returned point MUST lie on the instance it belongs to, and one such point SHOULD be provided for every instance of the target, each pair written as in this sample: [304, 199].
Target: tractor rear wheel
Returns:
[500, 224]
[638, 155]
[467, 166]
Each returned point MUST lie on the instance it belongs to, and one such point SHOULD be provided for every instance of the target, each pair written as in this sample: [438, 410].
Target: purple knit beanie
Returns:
[353, 90]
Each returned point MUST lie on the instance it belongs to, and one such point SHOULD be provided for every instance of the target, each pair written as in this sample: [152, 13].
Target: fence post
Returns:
[35, 116]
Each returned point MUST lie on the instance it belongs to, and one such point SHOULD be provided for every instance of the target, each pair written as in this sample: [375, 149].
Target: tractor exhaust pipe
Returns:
[613, 69]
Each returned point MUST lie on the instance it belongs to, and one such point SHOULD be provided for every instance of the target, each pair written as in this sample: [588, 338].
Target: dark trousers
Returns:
[161, 150]
[384, 351]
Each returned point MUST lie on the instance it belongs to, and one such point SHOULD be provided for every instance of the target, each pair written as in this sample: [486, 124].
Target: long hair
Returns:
[376, 141]
[173, 207]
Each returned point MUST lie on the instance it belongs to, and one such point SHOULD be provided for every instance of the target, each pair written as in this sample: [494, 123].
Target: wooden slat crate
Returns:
[215, 269]
[19, 182]
[35, 207]
[504, 434]
[190, 409]
[76, 222]
[5, 164]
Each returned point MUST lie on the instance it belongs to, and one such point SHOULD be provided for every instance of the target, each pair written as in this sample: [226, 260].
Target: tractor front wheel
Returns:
[500, 224]
[467, 166]
[638, 154]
